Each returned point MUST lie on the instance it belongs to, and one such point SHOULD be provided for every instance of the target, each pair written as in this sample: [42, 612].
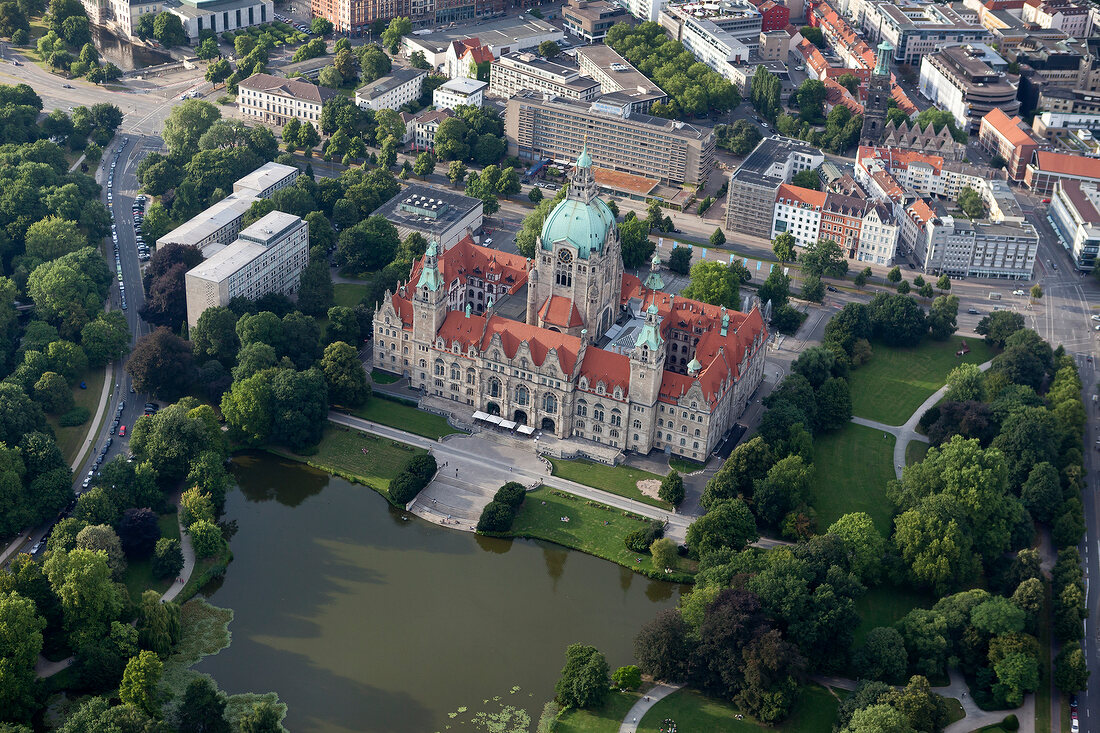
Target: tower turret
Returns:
[655, 281]
[647, 360]
[429, 299]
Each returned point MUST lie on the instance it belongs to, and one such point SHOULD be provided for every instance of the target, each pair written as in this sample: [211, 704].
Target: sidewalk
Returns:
[188, 566]
[640, 708]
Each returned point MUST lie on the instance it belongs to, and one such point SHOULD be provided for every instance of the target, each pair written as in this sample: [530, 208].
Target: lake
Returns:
[123, 54]
[364, 620]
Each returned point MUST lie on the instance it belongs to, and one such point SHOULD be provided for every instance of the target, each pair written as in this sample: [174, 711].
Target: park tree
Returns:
[21, 629]
[584, 680]
[168, 29]
[863, 543]
[53, 392]
[662, 647]
[264, 717]
[748, 463]
[140, 681]
[882, 656]
[672, 489]
[101, 538]
[783, 246]
[316, 292]
[218, 71]
[965, 382]
[813, 289]
[368, 246]
[716, 283]
[202, 709]
[664, 553]
[627, 678]
[138, 532]
[1071, 673]
[89, 599]
[158, 624]
[998, 326]
[727, 523]
[52, 237]
[897, 320]
[106, 338]
[456, 172]
[18, 417]
[679, 260]
[167, 557]
[206, 538]
[344, 374]
[397, 28]
[943, 315]
[772, 671]
[787, 485]
[637, 247]
[215, 336]
[176, 435]
[195, 506]
[161, 364]
[186, 124]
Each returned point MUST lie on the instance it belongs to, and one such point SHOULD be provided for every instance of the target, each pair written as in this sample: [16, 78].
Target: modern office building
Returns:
[616, 74]
[458, 93]
[1070, 101]
[645, 9]
[267, 257]
[710, 43]
[539, 126]
[737, 19]
[959, 247]
[221, 222]
[390, 92]
[1008, 137]
[354, 15]
[273, 100]
[1049, 167]
[918, 28]
[754, 186]
[1075, 213]
[524, 70]
[591, 19]
[956, 79]
[499, 36]
[441, 216]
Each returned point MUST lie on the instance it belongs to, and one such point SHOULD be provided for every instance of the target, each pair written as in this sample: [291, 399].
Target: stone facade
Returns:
[601, 357]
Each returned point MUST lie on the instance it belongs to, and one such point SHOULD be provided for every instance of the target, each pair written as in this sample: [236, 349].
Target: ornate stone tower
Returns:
[579, 265]
[647, 360]
[429, 300]
[878, 97]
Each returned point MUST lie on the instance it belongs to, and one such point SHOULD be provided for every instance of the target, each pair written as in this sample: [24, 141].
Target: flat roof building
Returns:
[391, 91]
[524, 70]
[501, 35]
[458, 93]
[227, 15]
[709, 42]
[440, 215]
[540, 126]
[1048, 167]
[754, 186]
[267, 257]
[267, 179]
[591, 19]
[958, 80]
[616, 74]
[919, 28]
[1075, 211]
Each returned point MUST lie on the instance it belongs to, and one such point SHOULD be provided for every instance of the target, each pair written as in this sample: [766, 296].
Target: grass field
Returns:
[896, 381]
[404, 417]
[605, 720]
[139, 573]
[70, 439]
[622, 480]
[916, 451]
[884, 605]
[853, 466]
[814, 712]
[380, 377]
[349, 294]
[955, 710]
[685, 466]
[595, 529]
[341, 452]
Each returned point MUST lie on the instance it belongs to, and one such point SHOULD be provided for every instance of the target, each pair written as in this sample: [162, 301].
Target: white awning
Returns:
[525, 429]
[479, 415]
[494, 419]
[507, 424]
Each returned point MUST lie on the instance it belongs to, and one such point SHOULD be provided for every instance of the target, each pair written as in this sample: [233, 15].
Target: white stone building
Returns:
[878, 239]
[390, 92]
[1075, 211]
[798, 213]
[273, 100]
[458, 92]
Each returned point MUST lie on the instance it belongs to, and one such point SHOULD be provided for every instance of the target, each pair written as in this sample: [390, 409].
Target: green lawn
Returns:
[139, 573]
[341, 452]
[605, 720]
[896, 381]
[916, 451]
[814, 712]
[70, 439]
[380, 377]
[405, 417]
[955, 710]
[349, 294]
[592, 527]
[886, 604]
[853, 466]
[683, 465]
[622, 480]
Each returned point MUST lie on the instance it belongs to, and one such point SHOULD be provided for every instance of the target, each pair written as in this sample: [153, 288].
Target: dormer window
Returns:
[599, 388]
[583, 384]
[618, 393]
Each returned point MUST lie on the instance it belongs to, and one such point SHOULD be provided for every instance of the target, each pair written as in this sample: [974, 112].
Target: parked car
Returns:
[972, 311]
[122, 431]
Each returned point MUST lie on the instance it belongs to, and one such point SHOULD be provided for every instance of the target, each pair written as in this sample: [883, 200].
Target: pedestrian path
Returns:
[188, 566]
[645, 702]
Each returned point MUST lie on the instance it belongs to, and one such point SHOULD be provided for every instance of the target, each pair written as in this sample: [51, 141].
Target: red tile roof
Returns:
[1008, 127]
[560, 311]
[809, 196]
[608, 367]
[1067, 164]
[466, 259]
[479, 332]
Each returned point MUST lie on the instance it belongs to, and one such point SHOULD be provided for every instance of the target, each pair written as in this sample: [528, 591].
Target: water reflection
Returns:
[363, 623]
[124, 54]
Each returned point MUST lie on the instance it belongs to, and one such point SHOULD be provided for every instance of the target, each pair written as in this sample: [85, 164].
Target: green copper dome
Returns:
[583, 225]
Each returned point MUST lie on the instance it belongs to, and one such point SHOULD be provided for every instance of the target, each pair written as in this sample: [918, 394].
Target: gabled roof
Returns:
[611, 368]
[1008, 127]
[294, 88]
[560, 311]
[808, 196]
[1065, 164]
[466, 259]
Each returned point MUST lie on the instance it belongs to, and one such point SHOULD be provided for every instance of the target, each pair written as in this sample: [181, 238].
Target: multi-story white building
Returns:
[221, 222]
[924, 175]
[421, 129]
[960, 247]
[731, 19]
[754, 186]
[463, 57]
[459, 92]
[645, 9]
[220, 15]
[719, 49]
[916, 28]
[267, 257]
[1070, 18]
[1075, 211]
[878, 238]
[276, 101]
[798, 213]
[523, 70]
[616, 74]
[390, 92]
[958, 80]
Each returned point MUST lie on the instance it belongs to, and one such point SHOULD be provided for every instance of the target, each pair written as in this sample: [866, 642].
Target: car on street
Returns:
[1095, 317]
[88, 479]
[1046, 201]
[37, 546]
[972, 311]
[122, 431]
[831, 289]
[1018, 292]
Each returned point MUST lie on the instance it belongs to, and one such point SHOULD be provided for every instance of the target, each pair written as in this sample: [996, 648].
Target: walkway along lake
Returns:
[362, 620]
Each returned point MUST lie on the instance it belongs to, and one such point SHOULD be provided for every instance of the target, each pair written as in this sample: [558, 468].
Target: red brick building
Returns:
[842, 219]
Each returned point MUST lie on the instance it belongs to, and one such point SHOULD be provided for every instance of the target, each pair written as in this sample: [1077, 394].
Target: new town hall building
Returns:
[601, 356]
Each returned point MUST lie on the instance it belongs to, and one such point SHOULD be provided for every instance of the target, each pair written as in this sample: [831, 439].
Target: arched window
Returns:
[618, 393]
[439, 368]
[616, 418]
[550, 403]
[637, 425]
[597, 413]
[494, 387]
[423, 363]
[582, 408]
[697, 433]
[614, 433]
[456, 373]
[471, 376]
[683, 441]
[523, 396]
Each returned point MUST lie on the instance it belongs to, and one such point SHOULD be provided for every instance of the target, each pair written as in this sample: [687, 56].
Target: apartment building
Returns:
[420, 129]
[354, 15]
[1009, 138]
[878, 235]
[774, 16]
[798, 212]
[540, 126]
[459, 92]
[919, 28]
[754, 186]
[1070, 101]
[221, 222]
[441, 216]
[591, 19]
[462, 58]
[400, 87]
[1049, 167]
[523, 70]
[920, 174]
[121, 16]
[1075, 213]
[1068, 17]
[267, 257]
[842, 221]
[645, 10]
[706, 40]
[616, 74]
[958, 80]
[273, 100]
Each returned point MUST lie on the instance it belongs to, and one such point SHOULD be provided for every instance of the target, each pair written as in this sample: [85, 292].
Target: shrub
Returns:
[627, 678]
[495, 517]
[403, 488]
[1010, 722]
[512, 494]
[640, 539]
[74, 417]
[423, 467]
[167, 557]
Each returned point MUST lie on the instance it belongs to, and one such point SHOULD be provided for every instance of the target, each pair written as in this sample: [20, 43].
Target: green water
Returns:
[364, 621]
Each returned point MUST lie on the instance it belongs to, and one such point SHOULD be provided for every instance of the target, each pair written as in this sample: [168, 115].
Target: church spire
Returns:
[429, 276]
[655, 281]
